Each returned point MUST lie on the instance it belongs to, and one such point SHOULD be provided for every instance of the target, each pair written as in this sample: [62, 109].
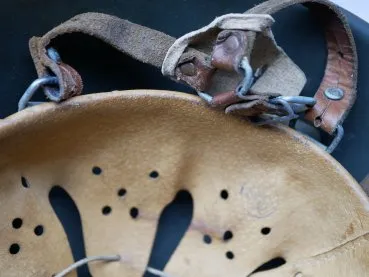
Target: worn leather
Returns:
[142, 43]
[342, 63]
[318, 215]
[150, 46]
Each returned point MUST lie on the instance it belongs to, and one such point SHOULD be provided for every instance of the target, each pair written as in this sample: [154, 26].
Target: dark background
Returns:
[104, 69]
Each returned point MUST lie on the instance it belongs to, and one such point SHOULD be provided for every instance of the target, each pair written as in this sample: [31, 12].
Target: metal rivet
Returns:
[334, 93]
[298, 274]
[188, 69]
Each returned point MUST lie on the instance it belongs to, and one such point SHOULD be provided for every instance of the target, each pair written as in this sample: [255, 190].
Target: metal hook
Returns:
[248, 80]
[36, 84]
[287, 107]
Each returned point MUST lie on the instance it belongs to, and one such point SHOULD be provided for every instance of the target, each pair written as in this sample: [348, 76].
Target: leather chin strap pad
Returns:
[342, 61]
[318, 215]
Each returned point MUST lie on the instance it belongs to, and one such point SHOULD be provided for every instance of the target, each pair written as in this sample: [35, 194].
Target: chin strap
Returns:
[233, 63]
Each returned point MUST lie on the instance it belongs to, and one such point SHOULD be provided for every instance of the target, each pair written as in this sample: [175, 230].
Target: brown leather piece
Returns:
[317, 214]
[255, 105]
[341, 68]
[72, 85]
[70, 82]
[194, 69]
[225, 99]
[339, 73]
[229, 49]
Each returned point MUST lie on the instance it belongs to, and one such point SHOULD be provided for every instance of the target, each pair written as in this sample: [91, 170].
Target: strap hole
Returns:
[122, 192]
[17, 223]
[39, 230]
[265, 231]
[317, 121]
[25, 182]
[96, 170]
[106, 210]
[207, 239]
[230, 255]
[341, 54]
[154, 174]
[14, 248]
[224, 194]
[134, 212]
[227, 235]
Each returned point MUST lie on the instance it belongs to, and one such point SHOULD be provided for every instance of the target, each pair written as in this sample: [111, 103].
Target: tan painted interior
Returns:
[318, 214]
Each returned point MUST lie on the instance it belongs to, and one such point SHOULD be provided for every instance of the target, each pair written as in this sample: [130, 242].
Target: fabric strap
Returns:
[195, 69]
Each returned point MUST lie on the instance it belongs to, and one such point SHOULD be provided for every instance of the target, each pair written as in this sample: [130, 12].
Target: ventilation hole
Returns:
[224, 194]
[265, 230]
[272, 264]
[134, 212]
[230, 255]
[25, 182]
[96, 170]
[122, 192]
[207, 239]
[106, 210]
[341, 54]
[227, 235]
[172, 225]
[17, 223]
[154, 174]
[39, 230]
[68, 214]
[14, 248]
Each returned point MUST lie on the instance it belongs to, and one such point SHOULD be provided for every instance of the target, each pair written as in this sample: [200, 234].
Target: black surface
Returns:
[104, 69]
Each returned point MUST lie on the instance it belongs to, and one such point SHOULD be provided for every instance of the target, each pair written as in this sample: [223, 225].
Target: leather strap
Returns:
[194, 67]
[342, 61]
[142, 43]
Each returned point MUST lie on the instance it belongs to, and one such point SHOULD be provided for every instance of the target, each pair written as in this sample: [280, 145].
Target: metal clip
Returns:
[243, 87]
[293, 105]
[248, 79]
[38, 83]
[270, 119]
